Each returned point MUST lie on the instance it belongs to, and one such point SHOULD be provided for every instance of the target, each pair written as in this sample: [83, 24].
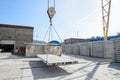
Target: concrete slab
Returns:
[51, 59]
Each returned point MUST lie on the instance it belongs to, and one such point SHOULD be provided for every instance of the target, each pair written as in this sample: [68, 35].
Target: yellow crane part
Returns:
[106, 6]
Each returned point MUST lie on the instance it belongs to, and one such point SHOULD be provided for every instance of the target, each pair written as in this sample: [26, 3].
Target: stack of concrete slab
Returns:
[97, 49]
[101, 49]
[52, 49]
[64, 48]
[89, 44]
[117, 50]
[76, 48]
[69, 49]
[34, 49]
[84, 49]
[108, 47]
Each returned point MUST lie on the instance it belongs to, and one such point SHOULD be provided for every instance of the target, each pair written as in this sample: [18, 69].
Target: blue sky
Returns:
[72, 18]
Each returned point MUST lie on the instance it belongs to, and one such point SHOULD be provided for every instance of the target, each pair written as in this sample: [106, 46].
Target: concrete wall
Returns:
[33, 50]
[97, 49]
[51, 49]
[75, 40]
[116, 55]
[84, 49]
[7, 33]
[67, 49]
[101, 49]
[75, 48]
[108, 49]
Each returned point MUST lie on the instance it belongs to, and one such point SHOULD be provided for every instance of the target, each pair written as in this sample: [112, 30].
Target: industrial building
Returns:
[75, 40]
[13, 37]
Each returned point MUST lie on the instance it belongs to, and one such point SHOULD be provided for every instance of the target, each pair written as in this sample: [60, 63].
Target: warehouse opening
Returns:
[7, 46]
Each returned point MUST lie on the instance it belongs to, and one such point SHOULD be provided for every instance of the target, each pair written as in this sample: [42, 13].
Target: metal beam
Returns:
[106, 6]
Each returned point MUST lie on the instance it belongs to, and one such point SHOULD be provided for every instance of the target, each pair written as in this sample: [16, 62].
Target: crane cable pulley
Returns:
[51, 12]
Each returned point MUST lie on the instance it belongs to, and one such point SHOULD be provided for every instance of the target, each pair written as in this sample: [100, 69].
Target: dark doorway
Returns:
[90, 52]
[7, 48]
[0, 46]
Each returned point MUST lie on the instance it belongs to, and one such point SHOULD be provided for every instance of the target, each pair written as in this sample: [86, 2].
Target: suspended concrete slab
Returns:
[54, 60]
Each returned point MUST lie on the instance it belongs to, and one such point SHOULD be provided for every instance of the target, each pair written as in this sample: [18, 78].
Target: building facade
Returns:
[75, 40]
[14, 36]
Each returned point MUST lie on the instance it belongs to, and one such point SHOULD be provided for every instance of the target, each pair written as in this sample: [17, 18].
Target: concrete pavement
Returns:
[21, 68]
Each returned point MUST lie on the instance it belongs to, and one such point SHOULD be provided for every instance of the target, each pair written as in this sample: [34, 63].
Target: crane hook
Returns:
[51, 12]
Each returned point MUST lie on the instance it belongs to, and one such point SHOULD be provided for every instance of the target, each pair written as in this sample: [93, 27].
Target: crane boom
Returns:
[106, 6]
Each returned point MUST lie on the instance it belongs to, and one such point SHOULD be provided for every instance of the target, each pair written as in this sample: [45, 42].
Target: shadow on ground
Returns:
[41, 70]
[83, 73]
[114, 66]
[6, 56]
[87, 58]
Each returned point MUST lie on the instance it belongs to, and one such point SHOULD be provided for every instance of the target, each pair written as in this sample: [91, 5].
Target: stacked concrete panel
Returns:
[30, 49]
[76, 48]
[108, 47]
[84, 49]
[101, 49]
[64, 48]
[39, 49]
[89, 44]
[34, 49]
[117, 50]
[69, 49]
[97, 49]
[52, 49]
